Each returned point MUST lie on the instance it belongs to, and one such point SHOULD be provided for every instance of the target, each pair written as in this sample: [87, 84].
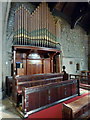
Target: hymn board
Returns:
[35, 47]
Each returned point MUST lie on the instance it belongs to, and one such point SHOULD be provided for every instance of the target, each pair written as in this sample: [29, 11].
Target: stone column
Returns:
[88, 52]
[0, 50]
[4, 69]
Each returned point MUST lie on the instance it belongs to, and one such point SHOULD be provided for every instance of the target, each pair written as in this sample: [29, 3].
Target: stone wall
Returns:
[89, 51]
[74, 46]
[5, 68]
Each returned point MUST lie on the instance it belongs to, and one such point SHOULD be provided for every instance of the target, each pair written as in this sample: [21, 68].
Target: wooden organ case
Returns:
[36, 61]
[35, 43]
[30, 60]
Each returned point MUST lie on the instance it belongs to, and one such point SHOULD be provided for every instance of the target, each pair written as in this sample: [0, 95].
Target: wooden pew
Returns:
[9, 82]
[77, 108]
[37, 79]
[20, 85]
[37, 97]
[73, 76]
[84, 80]
[32, 80]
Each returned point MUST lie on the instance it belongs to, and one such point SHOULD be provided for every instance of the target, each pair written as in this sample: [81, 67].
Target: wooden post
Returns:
[14, 62]
[51, 63]
[58, 63]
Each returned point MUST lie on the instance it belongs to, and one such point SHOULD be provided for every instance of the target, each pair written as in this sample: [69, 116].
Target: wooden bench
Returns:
[20, 85]
[85, 86]
[31, 81]
[77, 108]
[84, 81]
[36, 79]
[9, 82]
[39, 96]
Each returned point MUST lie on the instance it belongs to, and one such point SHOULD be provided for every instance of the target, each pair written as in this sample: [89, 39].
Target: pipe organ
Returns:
[37, 81]
[35, 29]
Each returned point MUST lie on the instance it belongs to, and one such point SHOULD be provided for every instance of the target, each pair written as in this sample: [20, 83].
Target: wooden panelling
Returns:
[60, 93]
[20, 71]
[74, 91]
[43, 98]
[34, 67]
[40, 96]
[46, 65]
[53, 94]
[33, 101]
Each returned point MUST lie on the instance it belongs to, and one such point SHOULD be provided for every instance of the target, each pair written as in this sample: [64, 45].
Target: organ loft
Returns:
[44, 72]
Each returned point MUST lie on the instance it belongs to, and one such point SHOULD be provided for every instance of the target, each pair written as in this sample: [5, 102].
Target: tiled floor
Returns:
[7, 110]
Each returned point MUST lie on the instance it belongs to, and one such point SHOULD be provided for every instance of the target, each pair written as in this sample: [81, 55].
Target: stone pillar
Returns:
[5, 12]
[88, 52]
[0, 50]
[58, 64]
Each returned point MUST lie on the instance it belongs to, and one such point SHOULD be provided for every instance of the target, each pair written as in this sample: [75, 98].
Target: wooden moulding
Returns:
[35, 48]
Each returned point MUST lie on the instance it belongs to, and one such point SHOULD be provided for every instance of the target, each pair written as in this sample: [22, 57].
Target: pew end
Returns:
[66, 112]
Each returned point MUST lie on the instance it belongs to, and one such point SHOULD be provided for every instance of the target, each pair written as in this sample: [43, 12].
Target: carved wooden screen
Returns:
[37, 29]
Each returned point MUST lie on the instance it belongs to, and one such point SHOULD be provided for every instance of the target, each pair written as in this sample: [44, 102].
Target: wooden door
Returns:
[57, 64]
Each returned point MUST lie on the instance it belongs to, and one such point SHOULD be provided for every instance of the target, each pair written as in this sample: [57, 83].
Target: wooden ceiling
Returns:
[73, 12]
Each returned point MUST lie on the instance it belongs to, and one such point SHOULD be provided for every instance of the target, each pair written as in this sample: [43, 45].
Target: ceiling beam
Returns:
[63, 6]
[79, 12]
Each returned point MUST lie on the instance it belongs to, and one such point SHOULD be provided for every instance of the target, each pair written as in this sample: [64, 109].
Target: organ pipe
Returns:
[37, 29]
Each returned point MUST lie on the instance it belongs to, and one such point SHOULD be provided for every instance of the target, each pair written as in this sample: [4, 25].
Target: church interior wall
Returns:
[74, 47]
[89, 51]
[5, 63]
[0, 50]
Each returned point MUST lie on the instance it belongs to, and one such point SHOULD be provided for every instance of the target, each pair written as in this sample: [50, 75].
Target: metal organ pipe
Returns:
[37, 29]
